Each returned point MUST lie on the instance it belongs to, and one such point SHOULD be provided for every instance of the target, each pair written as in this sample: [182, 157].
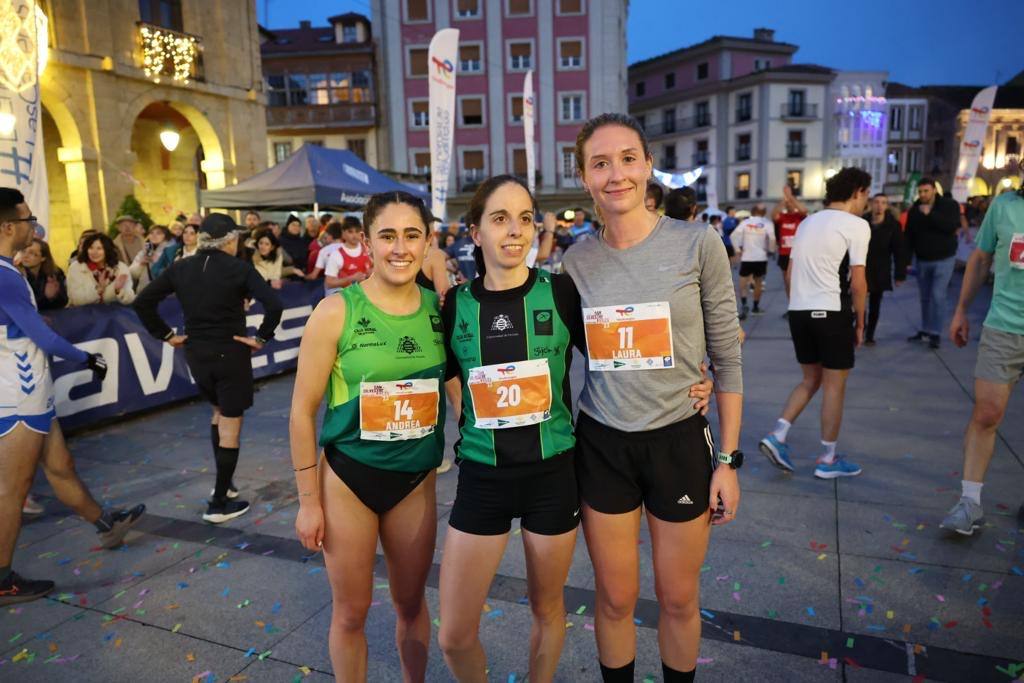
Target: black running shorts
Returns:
[783, 262]
[755, 268]
[223, 373]
[827, 338]
[542, 494]
[668, 470]
[380, 490]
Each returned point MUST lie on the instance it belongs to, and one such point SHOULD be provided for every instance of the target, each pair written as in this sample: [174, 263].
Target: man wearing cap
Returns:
[129, 241]
[212, 288]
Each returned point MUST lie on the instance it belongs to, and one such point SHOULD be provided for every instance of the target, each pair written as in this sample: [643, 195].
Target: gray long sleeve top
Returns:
[685, 265]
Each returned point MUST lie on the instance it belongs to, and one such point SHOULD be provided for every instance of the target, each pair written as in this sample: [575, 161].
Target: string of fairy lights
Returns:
[160, 46]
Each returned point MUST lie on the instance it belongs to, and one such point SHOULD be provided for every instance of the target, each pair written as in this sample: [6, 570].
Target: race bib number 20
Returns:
[511, 394]
[399, 410]
[629, 337]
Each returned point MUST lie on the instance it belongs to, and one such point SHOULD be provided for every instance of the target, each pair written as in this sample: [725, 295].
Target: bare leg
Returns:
[612, 542]
[407, 534]
[230, 431]
[758, 287]
[990, 400]
[59, 467]
[19, 455]
[547, 567]
[744, 286]
[833, 395]
[803, 392]
[350, 546]
[467, 569]
[678, 549]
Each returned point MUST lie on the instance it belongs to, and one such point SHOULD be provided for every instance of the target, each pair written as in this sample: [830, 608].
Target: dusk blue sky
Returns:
[924, 42]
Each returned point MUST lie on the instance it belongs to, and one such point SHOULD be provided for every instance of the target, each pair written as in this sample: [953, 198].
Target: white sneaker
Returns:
[232, 492]
[32, 506]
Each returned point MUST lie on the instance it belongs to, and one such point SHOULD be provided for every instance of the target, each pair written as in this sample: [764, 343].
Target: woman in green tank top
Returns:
[376, 350]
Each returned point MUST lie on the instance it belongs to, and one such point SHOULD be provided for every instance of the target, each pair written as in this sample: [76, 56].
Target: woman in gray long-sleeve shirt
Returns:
[657, 298]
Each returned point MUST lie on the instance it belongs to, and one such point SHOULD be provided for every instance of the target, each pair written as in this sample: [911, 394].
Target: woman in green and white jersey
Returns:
[377, 349]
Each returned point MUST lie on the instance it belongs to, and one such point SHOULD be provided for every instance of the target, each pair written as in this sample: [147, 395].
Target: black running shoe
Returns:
[121, 521]
[19, 589]
[219, 511]
[920, 336]
[933, 341]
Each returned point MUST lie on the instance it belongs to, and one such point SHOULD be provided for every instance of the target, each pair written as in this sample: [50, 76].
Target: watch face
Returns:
[737, 460]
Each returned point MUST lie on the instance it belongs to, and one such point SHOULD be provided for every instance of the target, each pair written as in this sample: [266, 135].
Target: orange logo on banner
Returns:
[408, 413]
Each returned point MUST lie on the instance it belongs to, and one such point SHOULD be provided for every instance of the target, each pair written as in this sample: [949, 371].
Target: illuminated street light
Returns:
[170, 138]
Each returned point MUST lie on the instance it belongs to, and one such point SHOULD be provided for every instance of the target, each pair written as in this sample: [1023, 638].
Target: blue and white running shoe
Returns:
[776, 452]
[840, 467]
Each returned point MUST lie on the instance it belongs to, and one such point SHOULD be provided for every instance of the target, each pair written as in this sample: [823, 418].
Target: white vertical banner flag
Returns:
[973, 142]
[711, 188]
[441, 58]
[23, 44]
[528, 123]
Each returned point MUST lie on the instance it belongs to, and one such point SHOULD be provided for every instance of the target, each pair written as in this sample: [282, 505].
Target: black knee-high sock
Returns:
[227, 459]
[215, 438]
[622, 674]
[672, 676]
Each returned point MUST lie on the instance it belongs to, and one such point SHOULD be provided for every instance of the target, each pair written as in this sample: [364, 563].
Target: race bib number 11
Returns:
[630, 337]
[511, 394]
[396, 411]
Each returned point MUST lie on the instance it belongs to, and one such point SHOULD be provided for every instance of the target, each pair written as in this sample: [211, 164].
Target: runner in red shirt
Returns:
[787, 216]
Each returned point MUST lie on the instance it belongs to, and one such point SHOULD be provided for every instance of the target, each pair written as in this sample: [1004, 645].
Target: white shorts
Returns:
[26, 388]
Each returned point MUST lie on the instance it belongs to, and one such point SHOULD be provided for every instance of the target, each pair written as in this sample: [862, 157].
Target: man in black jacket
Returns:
[886, 255]
[212, 288]
[932, 225]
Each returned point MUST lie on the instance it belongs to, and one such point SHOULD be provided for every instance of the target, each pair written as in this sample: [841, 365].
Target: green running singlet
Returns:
[504, 328]
[378, 347]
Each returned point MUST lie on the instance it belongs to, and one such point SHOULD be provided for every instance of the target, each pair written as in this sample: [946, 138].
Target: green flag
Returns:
[910, 191]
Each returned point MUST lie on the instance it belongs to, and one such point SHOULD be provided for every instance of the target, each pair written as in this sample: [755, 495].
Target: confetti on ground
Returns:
[581, 609]
[177, 627]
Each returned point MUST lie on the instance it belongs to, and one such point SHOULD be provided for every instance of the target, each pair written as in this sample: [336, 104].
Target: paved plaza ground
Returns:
[846, 580]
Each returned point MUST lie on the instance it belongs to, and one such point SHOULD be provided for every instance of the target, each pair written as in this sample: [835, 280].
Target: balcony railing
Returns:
[743, 152]
[469, 180]
[678, 125]
[798, 110]
[318, 115]
[794, 150]
[168, 55]
[700, 158]
[744, 115]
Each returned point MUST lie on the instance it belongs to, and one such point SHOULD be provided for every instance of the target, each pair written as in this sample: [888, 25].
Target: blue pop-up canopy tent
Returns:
[311, 176]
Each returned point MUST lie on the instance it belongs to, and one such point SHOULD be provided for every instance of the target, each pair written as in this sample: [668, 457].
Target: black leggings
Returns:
[874, 308]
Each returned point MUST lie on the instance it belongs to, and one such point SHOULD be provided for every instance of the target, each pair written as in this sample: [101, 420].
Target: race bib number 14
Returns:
[629, 337]
[399, 410]
[511, 394]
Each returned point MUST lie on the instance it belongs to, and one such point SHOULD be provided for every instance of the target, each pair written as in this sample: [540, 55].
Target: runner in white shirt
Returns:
[826, 315]
[332, 232]
[350, 262]
[754, 240]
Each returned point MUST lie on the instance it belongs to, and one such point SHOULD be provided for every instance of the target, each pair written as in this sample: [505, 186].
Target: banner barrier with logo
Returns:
[441, 58]
[973, 142]
[144, 372]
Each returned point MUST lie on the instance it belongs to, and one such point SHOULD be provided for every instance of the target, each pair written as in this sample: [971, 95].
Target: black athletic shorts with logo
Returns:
[223, 373]
[543, 494]
[380, 490]
[755, 268]
[825, 337]
[668, 469]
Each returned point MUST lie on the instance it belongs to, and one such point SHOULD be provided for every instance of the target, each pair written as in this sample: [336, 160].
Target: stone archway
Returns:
[70, 210]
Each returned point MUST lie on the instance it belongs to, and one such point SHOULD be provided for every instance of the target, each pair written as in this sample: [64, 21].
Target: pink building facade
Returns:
[576, 49]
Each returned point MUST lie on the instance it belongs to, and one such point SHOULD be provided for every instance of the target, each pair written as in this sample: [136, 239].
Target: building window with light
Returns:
[470, 61]
[893, 161]
[163, 13]
[520, 56]
[420, 113]
[282, 150]
[471, 112]
[743, 185]
[570, 54]
[571, 109]
[795, 180]
[467, 9]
